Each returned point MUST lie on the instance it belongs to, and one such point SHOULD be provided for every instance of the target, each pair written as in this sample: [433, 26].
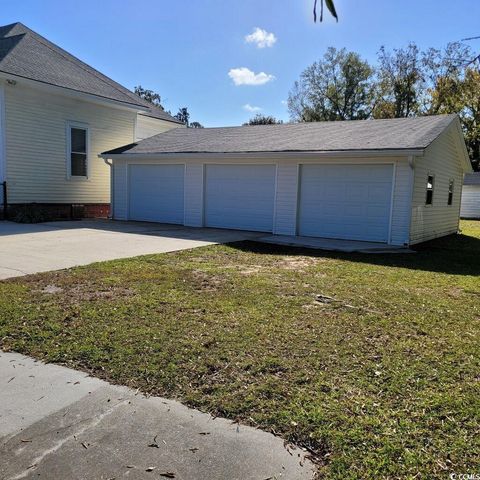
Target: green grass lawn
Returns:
[383, 382]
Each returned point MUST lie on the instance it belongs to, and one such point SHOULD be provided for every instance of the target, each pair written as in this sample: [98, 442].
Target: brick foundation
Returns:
[58, 211]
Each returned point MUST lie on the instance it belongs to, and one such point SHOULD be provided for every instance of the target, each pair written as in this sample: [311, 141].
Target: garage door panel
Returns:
[240, 196]
[156, 193]
[345, 201]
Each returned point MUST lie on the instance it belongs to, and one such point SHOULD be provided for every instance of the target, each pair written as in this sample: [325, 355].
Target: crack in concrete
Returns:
[37, 461]
[13, 269]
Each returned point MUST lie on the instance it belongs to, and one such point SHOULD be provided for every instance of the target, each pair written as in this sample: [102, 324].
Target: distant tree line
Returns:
[404, 82]
[183, 115]
[260, 119]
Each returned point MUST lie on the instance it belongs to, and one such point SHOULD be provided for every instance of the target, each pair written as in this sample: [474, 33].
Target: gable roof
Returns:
[472, 179]
[26, 54]
[156, 112]
[345, 136]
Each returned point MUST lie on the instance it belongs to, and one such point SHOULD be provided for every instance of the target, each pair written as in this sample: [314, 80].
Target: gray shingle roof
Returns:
[391, 134]
[472, 179]
[26, 54]
[157, 112]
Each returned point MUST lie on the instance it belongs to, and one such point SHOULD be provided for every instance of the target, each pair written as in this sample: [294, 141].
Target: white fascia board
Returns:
[300, 155]
[460, 142]
[68, 92]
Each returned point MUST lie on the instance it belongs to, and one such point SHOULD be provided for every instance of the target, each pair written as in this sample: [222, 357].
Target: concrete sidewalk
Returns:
[57, 423]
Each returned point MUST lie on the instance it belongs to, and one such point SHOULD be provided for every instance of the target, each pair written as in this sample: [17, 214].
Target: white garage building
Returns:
[471, 196]
[395, 181]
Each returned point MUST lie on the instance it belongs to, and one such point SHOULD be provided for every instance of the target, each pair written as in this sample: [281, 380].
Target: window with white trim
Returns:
[77, 151]
[430, 184]
[450, 191]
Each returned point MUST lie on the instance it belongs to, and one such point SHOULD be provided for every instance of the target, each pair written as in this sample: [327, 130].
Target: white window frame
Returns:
[433, 189]
[452, 182]
[81, 126]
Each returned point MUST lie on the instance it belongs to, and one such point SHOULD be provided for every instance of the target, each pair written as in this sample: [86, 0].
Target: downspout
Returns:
[112, 190]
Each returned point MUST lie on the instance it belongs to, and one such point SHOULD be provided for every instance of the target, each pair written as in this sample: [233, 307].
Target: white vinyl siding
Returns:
[120, 190]
[156, 193]
[286, 199]
[401, 203]
[442, 161]
[240, 197]
[37, 145]
[2, 143]
[2, 135]
[194, 195]
[149, 126]
[350, 202]
[470, 201]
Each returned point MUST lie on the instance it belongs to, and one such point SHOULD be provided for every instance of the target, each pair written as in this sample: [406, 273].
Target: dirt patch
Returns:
[455, 292]
[87, 293]
[298, 263]
[52, 289]
[251, 269]
[285, 263]
[205, 281]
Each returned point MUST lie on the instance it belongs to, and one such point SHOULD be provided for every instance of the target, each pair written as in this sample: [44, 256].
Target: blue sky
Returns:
[185, 49]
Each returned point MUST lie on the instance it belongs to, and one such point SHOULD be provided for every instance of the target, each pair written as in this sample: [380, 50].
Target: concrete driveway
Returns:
[32, 248]
[57, 423]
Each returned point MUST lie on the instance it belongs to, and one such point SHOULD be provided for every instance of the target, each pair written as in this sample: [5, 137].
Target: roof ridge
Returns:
[329, 122]
[14, 43]
[452, 116]
[128, 96]
[10, 27]
[81, 64]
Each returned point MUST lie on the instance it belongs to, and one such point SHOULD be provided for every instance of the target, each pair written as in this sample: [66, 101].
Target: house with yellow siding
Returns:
[57, 114]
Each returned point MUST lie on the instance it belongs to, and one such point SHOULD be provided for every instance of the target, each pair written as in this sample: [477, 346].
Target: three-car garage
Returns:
[356, 180]
[334, 201]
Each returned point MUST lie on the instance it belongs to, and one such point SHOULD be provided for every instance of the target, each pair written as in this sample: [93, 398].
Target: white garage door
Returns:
[345, 201]
[156, 193]
[240, 196]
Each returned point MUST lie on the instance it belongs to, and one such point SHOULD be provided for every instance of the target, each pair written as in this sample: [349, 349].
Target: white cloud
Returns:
[251, 108]
[244, 76]
[261, 38]
[284, 102]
